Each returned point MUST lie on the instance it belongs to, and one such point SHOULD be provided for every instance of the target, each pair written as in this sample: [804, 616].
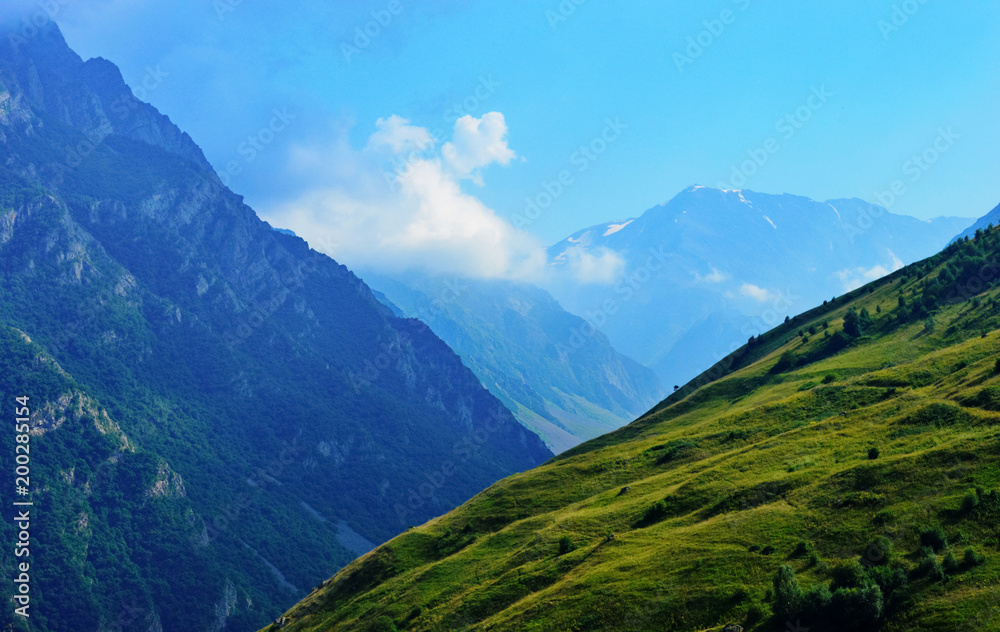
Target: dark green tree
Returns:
[787, 594]
[852, 324]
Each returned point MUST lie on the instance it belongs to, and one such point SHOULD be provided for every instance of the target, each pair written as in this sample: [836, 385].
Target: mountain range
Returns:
[715, 267]
[836, 471]
[702, 273]
[219, 416]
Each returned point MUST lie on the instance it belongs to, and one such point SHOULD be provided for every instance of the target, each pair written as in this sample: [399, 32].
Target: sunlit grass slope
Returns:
[839, 470]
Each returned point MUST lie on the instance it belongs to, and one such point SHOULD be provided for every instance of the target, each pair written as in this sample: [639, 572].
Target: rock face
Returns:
[561, 378]
[249, 375]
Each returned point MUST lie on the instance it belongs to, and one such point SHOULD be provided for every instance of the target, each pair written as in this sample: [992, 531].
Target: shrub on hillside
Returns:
[950, 563]
[566, 545]
[987, 399]
[938, 415]
[816, 602]
[878, 552]
[857, 324]
[929, 566]
[786, 362]
[848, 575]
[970, 502]
[890, 579]
[972, 558]
[935, 538]
[857, 606]
[755, 614]
[656, 513]
[801, 549]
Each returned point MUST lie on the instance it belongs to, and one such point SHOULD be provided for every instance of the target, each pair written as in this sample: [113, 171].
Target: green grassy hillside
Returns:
[841, 469]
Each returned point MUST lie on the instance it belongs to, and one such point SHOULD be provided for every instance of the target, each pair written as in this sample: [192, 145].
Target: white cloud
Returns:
[396, 134]
[713, 277]
[603, 266]
[853, 278]
[749, 290]
[418, 217]
[478, 143]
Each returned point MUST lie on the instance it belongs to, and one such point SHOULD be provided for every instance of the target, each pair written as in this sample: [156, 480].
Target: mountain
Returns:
[990, 219]
[560, 377]
[218, 417]
[742, 258]
[846, 477]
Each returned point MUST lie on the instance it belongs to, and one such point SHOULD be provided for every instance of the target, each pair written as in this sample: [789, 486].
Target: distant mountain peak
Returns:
[91, 95]
[738, 250]
[993, 217]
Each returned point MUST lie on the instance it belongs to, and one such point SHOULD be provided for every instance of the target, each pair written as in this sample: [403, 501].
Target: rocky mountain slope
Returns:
[234, 415]
[560, 377]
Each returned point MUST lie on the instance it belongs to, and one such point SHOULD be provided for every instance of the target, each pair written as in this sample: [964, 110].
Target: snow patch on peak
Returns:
[614, 228]
[773, 225]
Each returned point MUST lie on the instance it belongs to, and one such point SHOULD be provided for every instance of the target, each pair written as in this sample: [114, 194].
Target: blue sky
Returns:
[690, 91]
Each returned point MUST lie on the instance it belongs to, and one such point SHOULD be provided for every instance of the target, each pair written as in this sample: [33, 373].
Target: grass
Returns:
[730, 479]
